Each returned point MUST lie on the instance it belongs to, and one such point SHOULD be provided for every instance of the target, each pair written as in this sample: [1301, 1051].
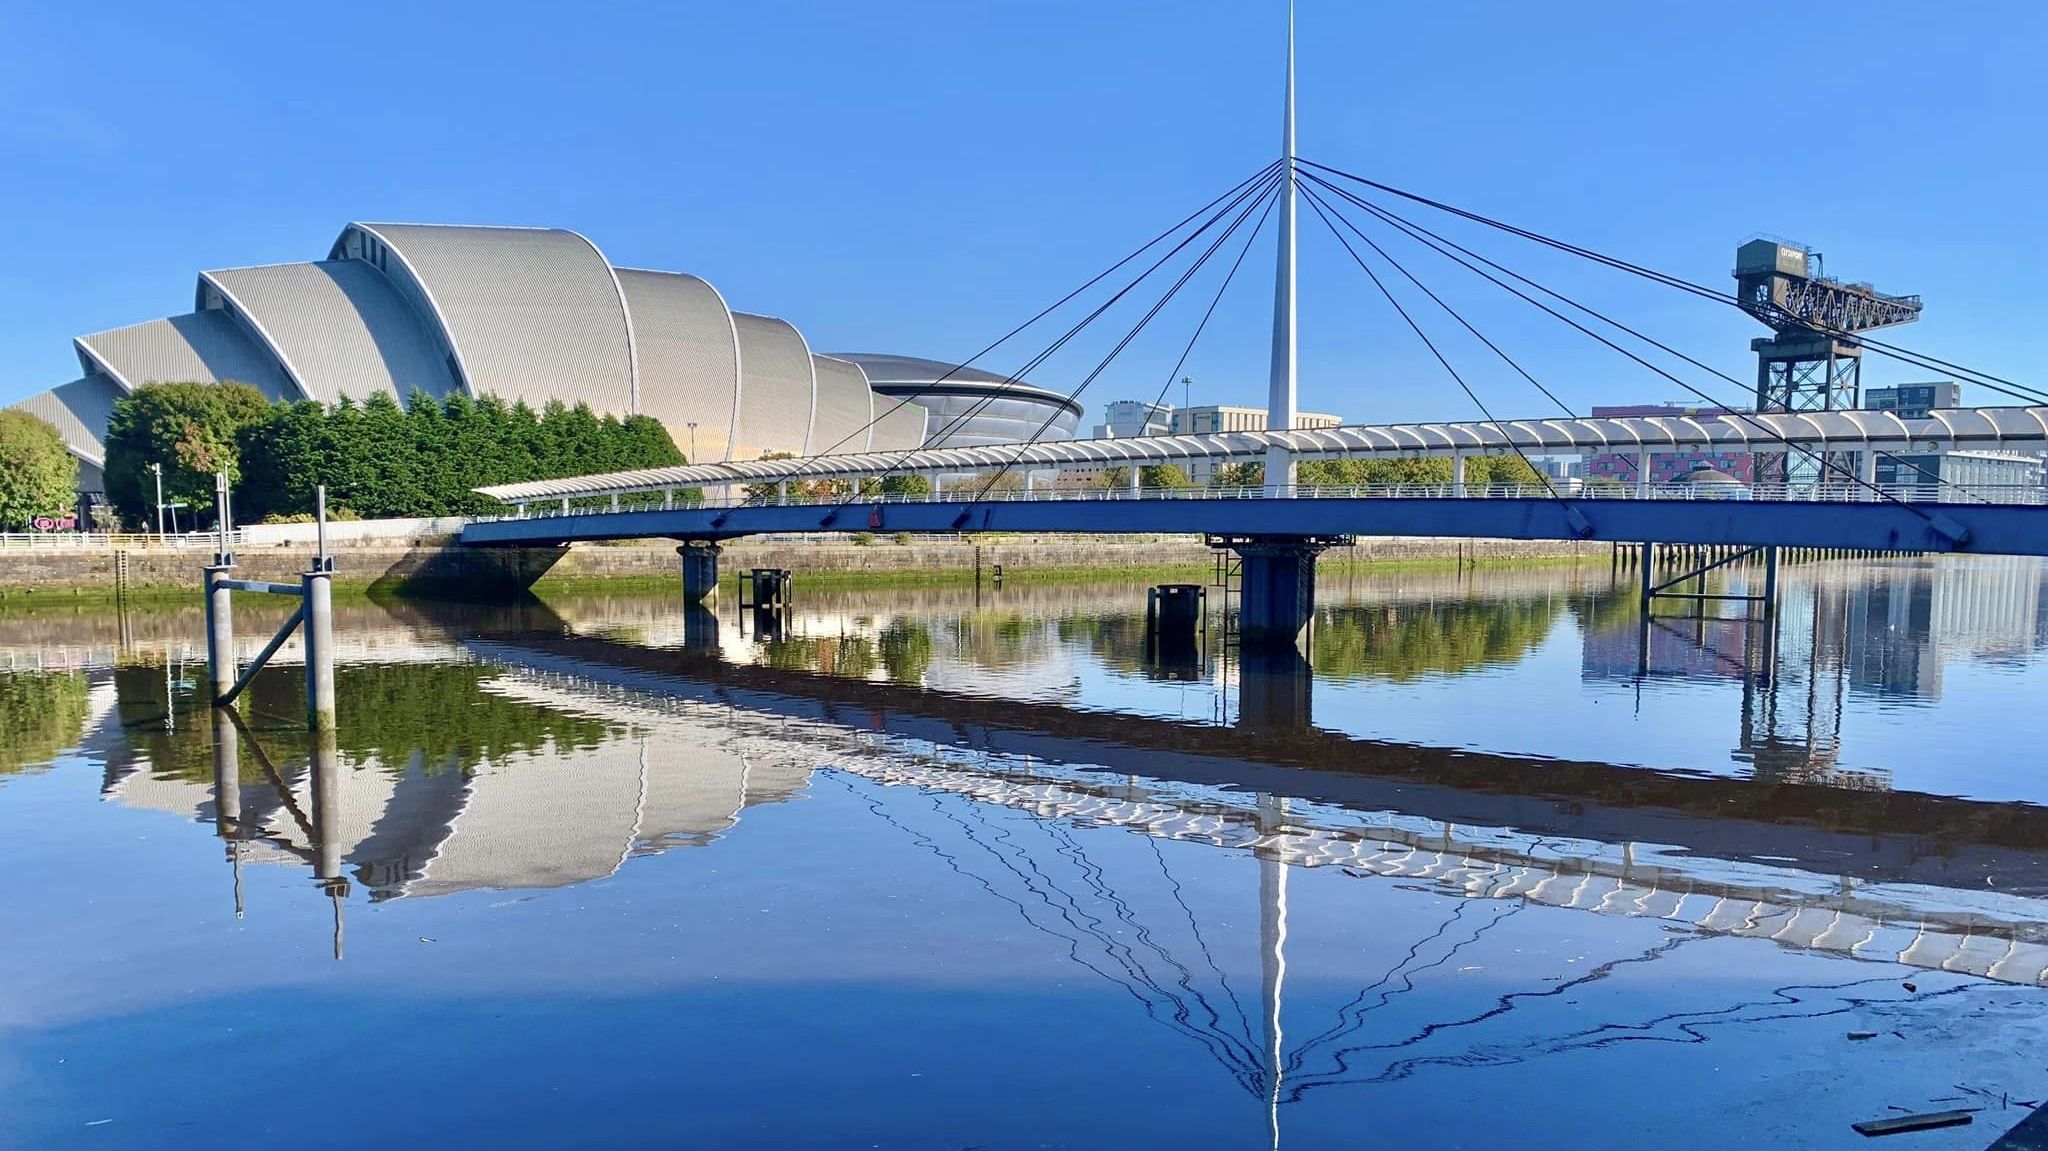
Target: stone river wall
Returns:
[71, 571]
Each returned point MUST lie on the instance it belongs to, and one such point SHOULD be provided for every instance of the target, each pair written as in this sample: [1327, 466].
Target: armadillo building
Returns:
[532, 314]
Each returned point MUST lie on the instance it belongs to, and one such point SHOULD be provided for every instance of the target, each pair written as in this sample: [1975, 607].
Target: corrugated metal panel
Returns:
[338, 327]
[689, 359]
[846, 408]
[207, 347]
[778, 390]
[79, 411]
[898, 428]
[532, 314]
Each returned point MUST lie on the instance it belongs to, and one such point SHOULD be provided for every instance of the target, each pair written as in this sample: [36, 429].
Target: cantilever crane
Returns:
[1814, 362]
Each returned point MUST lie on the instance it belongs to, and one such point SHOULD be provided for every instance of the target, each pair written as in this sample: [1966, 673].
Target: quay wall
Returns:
[74, 571]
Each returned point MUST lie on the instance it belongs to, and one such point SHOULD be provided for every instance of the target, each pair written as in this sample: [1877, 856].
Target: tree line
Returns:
[377, 459]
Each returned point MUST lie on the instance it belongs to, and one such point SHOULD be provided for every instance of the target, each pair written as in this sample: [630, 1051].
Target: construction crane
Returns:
[1814, 361]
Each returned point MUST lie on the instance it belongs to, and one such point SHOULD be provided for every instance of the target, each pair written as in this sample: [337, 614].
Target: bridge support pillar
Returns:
[1277, 605]
[700, 570]
[1458, 475]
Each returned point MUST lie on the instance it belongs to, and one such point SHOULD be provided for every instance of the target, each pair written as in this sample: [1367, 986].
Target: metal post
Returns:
[1770, 581]
[159, 470]
[1458, 474]
[220, 603]
[1131, 482]
[317, 591]
[1649, 562]
[327, 832]
[1643, 474]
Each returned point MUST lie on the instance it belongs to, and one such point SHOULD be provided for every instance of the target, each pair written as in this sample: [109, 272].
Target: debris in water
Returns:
[1910, 987]
[1863, 1035]
[1925, 1121]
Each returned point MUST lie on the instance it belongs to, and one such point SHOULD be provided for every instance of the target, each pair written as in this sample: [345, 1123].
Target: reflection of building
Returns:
[525, 314]
[1666, 466]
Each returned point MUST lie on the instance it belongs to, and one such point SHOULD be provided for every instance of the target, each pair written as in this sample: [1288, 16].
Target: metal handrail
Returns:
[116, 541]
[659, 498]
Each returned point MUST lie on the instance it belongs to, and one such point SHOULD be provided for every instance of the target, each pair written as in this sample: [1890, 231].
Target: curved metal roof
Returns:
[2023, 429]
[689, 354]
[778, 388]
[899, 425]
[336, 327]
[892, 375]
[845, 418]
[206, 347]
[531, 314]
[79, 411]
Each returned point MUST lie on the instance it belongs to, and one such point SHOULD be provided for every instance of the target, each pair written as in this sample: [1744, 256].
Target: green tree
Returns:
[906, 485]
[390, 484]
[38, 475]
[1507, 469]
[41, 714]
[192, 429]
[1246, 475]
[1163, 476]
[647, 444]
[284, 456]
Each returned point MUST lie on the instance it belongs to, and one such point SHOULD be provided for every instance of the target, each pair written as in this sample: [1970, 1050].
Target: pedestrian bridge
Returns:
[1278, 530]
[1850, 510]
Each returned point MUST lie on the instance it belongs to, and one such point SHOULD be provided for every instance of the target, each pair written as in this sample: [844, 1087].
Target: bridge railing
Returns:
[114, 541]
[662, 498]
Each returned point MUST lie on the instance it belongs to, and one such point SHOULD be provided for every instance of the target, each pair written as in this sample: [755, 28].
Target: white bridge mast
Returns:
[1280, 397]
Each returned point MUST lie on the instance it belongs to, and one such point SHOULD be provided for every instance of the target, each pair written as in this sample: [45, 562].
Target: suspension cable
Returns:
[1316, 202]
[1729, 413]
[2003, 386]
[1125, 342]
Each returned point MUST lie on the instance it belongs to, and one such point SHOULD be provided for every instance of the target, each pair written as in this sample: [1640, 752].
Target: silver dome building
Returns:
[967, 407]
[533, 314]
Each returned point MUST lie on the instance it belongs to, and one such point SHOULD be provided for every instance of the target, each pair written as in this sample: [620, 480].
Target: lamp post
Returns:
[693, 441]
[159, 470]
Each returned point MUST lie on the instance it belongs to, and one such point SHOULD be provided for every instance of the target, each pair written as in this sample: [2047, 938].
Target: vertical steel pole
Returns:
[1281, 392]
[317, 592]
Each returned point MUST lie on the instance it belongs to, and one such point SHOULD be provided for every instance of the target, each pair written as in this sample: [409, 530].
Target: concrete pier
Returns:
[700, 570]
[1278, 602]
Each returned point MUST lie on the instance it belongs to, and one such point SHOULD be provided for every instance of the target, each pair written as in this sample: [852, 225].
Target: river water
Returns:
[982, 868]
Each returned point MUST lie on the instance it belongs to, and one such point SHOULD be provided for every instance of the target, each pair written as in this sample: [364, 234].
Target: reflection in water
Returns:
[1312, 912]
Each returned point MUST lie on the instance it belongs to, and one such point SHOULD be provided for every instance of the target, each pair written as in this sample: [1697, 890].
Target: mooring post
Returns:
[1770, 581]
[220, 604]
[1649, 563]
[317, 591]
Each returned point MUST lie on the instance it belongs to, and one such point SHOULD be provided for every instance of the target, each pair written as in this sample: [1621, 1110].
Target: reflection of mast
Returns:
[327, 825]
[1272, 948]
[227, 793]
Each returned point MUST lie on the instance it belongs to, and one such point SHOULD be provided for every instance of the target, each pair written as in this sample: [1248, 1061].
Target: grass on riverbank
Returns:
[171, 597]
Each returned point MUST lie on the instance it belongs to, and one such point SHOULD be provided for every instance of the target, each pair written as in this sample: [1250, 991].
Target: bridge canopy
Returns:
[2023, 429]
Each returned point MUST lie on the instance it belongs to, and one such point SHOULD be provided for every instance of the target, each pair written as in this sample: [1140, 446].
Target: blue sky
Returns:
[919, 176]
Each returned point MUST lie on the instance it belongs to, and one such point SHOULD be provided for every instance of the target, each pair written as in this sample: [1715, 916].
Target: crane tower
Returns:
[1813, 361]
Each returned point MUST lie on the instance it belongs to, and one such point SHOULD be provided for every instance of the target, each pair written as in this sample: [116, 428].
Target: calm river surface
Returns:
[959, 869]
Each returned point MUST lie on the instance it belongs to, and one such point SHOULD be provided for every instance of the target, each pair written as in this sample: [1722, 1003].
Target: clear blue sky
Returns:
[918, 176]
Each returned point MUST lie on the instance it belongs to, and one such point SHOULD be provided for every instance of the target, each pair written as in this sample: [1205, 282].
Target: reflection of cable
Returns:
[1352, 1015]
[1231, 1061]
[1502, 1005]
[1173, 885]
[1223, 1046]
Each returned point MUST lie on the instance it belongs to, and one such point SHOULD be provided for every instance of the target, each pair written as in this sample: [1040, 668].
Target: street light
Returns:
[159, 470]
[693, 441]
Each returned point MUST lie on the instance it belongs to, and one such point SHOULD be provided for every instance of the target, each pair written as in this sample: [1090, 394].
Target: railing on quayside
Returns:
[116, 541]
[677, 497]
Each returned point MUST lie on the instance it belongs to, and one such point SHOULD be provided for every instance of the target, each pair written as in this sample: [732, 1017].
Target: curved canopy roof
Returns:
[203, 347]
[904, 375]
[2023, 429]
[530, 314]
[79, 411]
[337, 327]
